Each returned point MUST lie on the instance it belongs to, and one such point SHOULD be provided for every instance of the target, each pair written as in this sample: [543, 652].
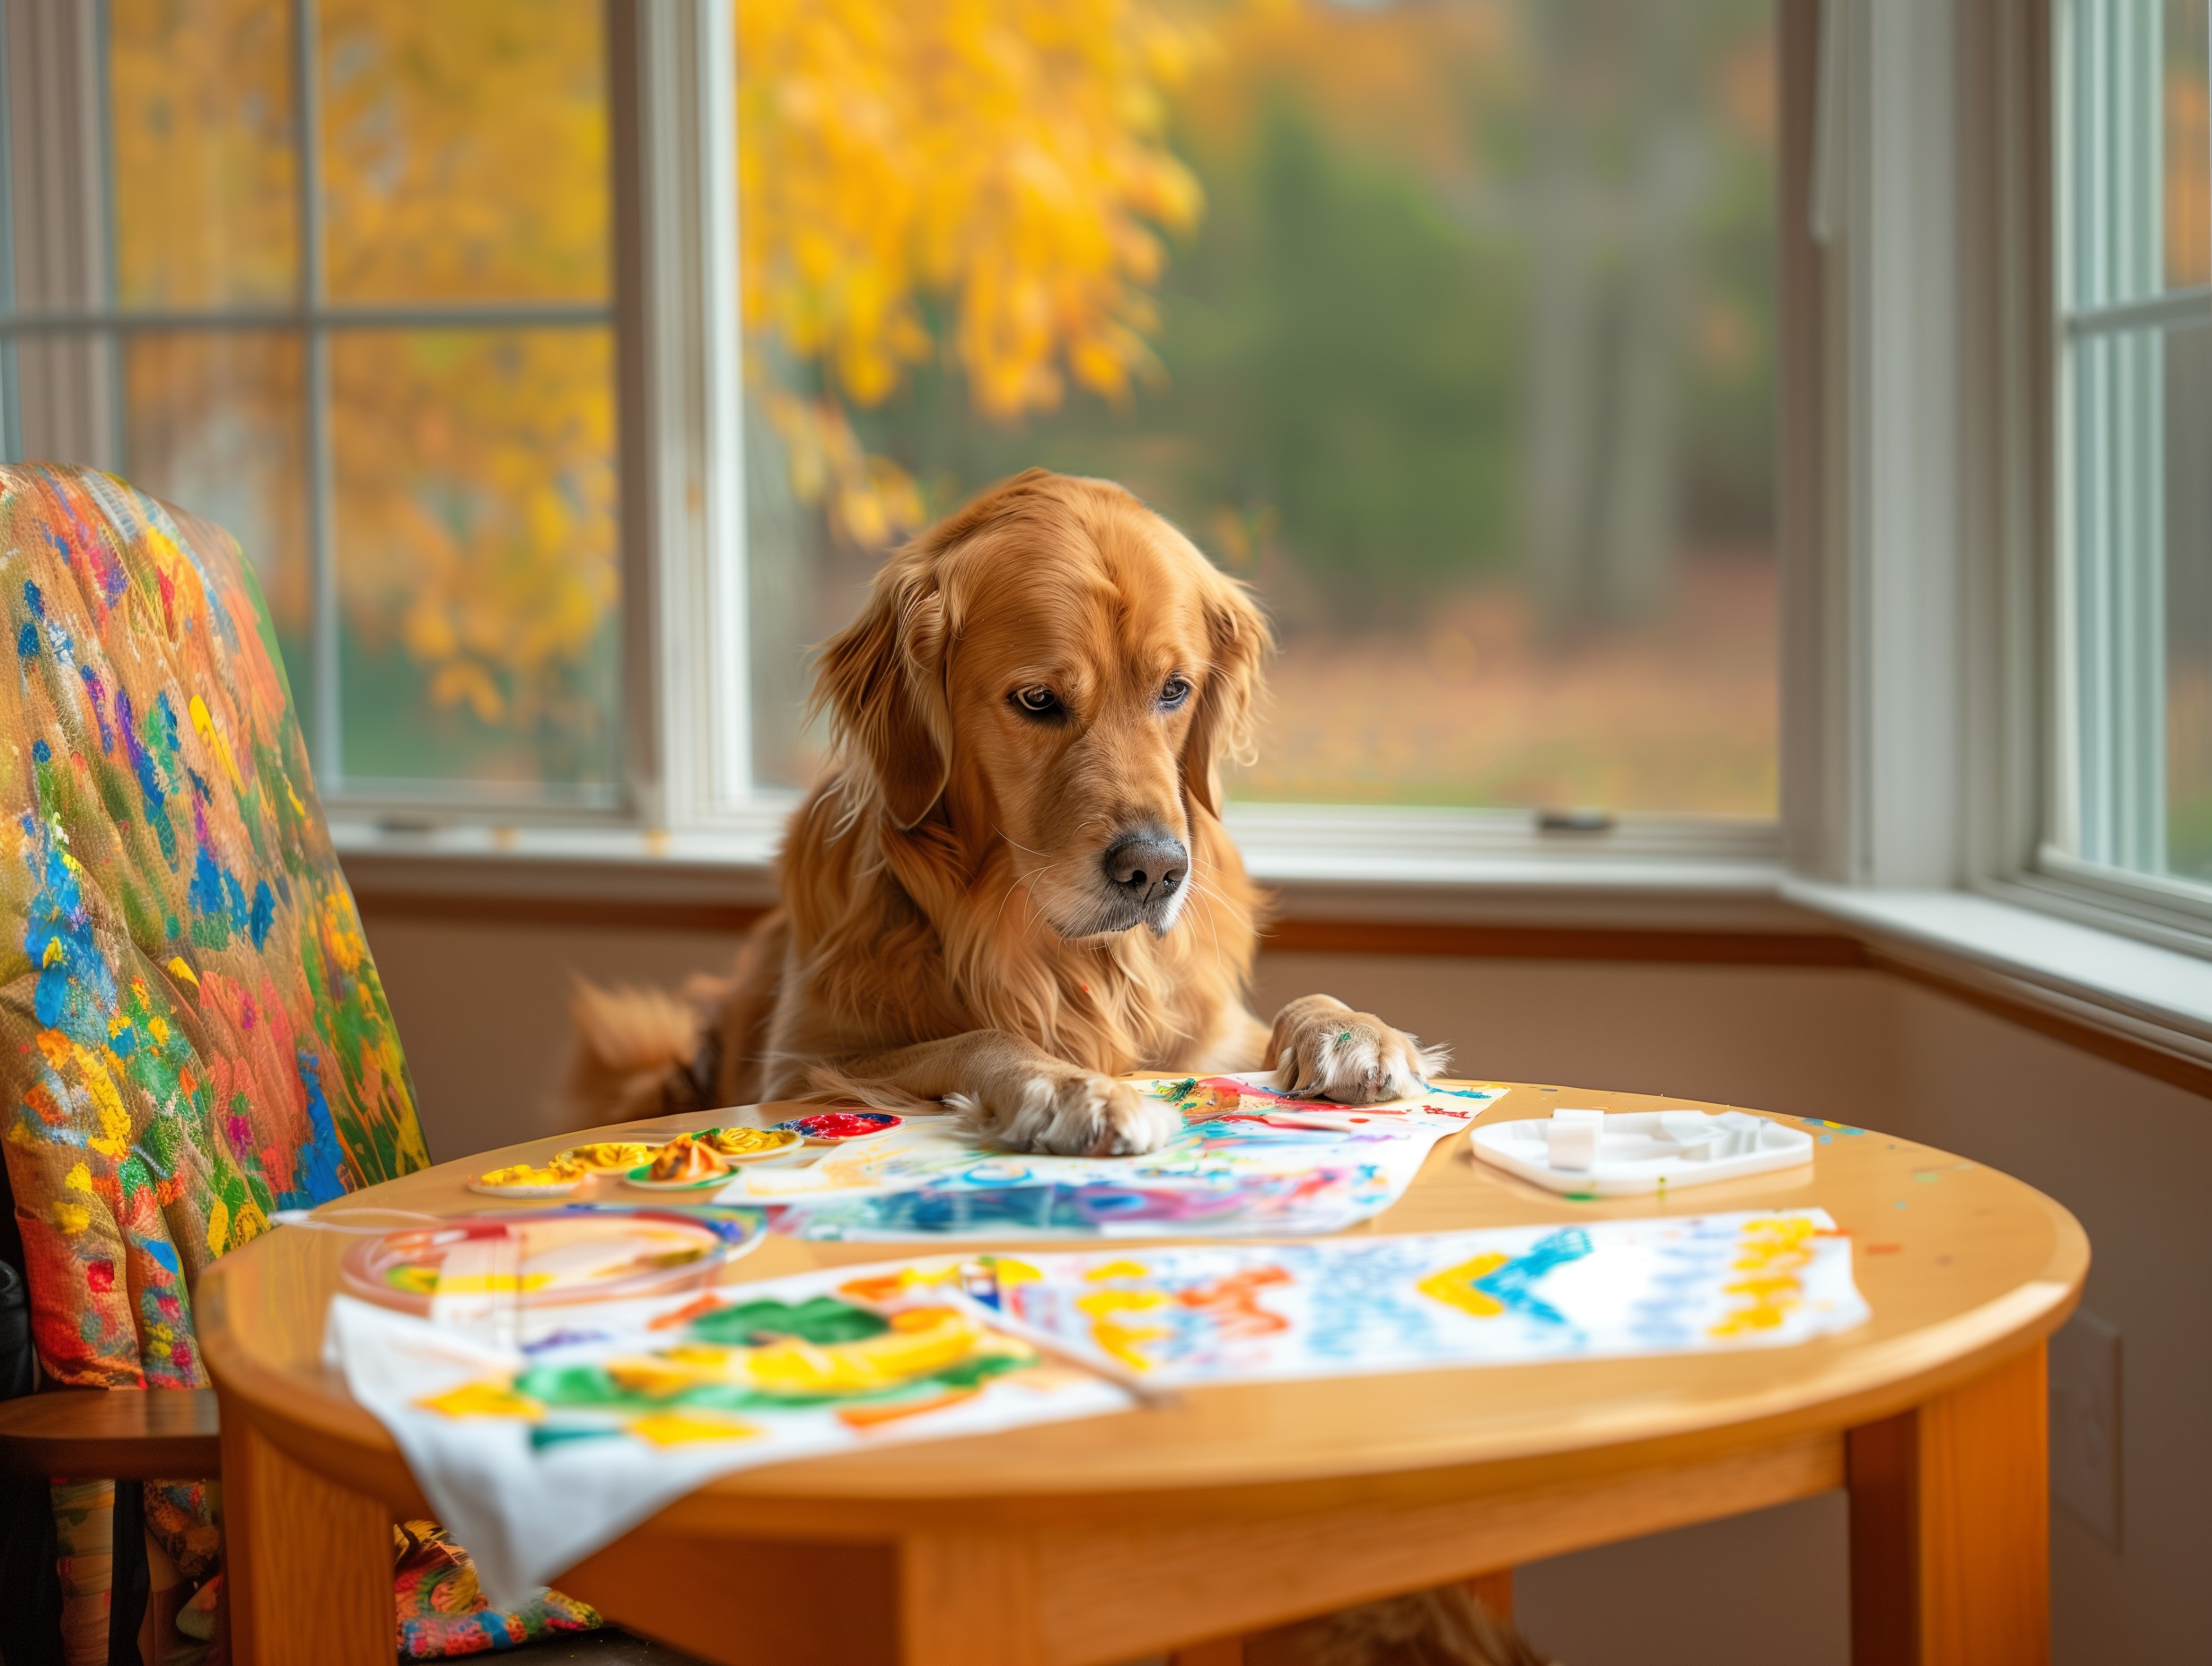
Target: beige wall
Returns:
[479, 1009]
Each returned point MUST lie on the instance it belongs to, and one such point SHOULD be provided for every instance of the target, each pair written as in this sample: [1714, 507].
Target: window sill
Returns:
[2082, 975]
[1415, 867]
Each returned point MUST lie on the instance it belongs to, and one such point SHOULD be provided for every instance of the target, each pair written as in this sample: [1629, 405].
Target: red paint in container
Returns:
[830, 1126]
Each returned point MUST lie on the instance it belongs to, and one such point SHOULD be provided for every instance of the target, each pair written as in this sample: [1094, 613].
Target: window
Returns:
[1450, 326]
[337, 274]
[1448, 323]
[2135, 588]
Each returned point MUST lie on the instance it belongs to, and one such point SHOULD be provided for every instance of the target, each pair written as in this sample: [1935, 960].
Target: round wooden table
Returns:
[1183, 1527]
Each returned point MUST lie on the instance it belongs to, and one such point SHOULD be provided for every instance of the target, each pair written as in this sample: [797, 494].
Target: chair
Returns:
[192, 1033]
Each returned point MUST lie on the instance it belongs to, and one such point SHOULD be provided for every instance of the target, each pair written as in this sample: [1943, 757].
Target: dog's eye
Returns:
[1036, 701]
[1174, 692]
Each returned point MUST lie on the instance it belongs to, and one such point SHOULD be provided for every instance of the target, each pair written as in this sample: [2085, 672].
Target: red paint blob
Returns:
[841, 1125]
[100, 1277]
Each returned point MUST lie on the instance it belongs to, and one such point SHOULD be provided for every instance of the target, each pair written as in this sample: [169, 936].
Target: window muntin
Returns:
[337, 274]
[2134, 597]
[1450, 327]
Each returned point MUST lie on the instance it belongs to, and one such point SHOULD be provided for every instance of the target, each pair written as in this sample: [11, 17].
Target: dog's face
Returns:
[1056, 669]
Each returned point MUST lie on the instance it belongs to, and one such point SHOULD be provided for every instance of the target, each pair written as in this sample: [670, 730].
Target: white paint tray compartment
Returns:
[1638, 1151]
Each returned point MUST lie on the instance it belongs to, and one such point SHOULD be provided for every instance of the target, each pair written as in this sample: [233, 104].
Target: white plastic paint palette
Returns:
[1639, 1151]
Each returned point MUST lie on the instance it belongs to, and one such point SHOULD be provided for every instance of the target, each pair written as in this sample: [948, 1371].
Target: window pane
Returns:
[2187, 94]
[215, 426]
[465, 149]
[478, 582]
[1449, 326]
[2189, 603]
[2141, 599]
[206, 190]
[2140, 152]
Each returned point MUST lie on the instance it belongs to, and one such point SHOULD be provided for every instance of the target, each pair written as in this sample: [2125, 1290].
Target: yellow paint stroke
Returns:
[342, 933]
[489, 1283]
[1118, 1269]
[218, 1227]
[1120, 1337]
[1769, 1262]
[114, 1139]
[179, 969]
[248, 1225]
[71, 1217]
[1454, 1287]
[675, 1429]
[79, 1180]
[54, 953]
[484, 1400]
[205, 723]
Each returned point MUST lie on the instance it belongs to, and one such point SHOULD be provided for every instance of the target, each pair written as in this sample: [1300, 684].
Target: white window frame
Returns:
[1933, 660]
[2176, 912]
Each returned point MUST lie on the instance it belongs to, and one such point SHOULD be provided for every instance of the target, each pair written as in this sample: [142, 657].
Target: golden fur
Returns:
[944, 936]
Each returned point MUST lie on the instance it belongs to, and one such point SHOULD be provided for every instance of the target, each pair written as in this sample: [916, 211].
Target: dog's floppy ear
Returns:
[1229, 696]
[882, 679]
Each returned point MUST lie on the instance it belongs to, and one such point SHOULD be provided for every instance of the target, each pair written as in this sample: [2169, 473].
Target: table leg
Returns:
[1494, 1590]
[1950, 1527]
[307, 1565]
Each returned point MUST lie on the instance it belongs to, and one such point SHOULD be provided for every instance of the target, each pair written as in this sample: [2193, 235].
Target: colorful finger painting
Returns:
[1504, 1296]
[1250, 1160]
[538, 1451]
[536, 1454]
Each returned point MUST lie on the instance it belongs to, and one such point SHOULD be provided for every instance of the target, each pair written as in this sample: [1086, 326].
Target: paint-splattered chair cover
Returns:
[195, 1034]
[192, 1034]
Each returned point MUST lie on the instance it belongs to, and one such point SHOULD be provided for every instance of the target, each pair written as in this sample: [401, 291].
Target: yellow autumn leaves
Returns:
[983, 181]
[978, 183]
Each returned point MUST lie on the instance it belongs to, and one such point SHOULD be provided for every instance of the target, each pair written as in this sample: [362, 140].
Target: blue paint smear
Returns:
[41, 751]
[264, 912]
[98, 695]
[34, 599]
[76, 992]
[1513, 1284]
[205, 892]
[149, 778]
[319, 1171]
[27, 640]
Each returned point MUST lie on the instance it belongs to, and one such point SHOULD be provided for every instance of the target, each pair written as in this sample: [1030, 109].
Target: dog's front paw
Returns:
[1323, 1049]
[1077, 1113]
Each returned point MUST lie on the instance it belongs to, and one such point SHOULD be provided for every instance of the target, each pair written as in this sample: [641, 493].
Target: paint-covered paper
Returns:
[1250, 1160]
[1205, 1313]
[537, 1453]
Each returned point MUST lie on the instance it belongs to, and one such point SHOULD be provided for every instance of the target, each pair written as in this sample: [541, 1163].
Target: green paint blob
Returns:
[822, 1320]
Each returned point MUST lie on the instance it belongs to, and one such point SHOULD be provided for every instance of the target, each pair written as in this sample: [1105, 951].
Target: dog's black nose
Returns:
[1146, 864]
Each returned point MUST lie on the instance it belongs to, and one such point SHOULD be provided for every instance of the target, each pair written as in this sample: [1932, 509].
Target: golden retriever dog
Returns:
[1011, 885]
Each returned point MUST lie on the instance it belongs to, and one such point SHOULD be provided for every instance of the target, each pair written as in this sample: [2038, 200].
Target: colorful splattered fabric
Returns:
[1509, 1295]
[192, 1034]
[1250, 1160]
[442, 1611]
[541, 1439]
